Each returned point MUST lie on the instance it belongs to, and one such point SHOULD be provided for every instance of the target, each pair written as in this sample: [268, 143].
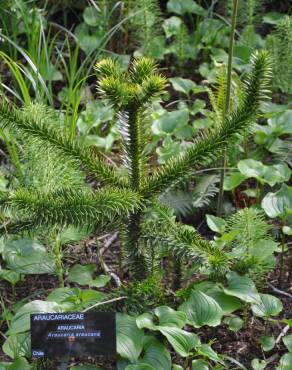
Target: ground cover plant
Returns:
[145, 169]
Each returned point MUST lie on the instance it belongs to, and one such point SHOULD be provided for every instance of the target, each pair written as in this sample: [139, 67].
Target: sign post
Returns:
[73, 334]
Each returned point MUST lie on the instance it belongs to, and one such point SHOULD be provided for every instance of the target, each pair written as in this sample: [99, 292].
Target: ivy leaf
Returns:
[268, 306]
[242, 287]
[83, 275]
[288, 342]
[267, 343]
[169, 317]
[216, 224]
[279, 203]
[201, 310]
[129, 337]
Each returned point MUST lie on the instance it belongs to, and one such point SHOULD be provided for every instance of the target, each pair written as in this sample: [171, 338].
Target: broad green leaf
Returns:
[233, 180]
[258, 364]
[83, 275]
[85, 367]
[12, 277]
[60, 295]
[285, 362]
[268, 306]
[21, 320]
[267, 343]
[174, 120]
[278, 204]
[264, 174]
[207, 351]
[19, 364]
[234, 323]
[287, 230]
[201, 310]
[216, 224]
[182, 85]
[242, 287]
[169, 317]
[155, 354]
[145, 321]
[172, 26]
[185, 6]
[227, 303]
[17, 345]
[141, 366]
[273, 17]
[27, 256]
[200, 365]
[288, 342]
[91, 16]
[281, 123]
[177, 367]
[182, 341]
[129, 337]
[263, 248]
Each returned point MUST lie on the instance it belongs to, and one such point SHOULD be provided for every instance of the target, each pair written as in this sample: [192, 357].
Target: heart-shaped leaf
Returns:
[267, 343]
[216, 224]
[264, 174]
[182, 84]
[83, 275]
[27, 256]
[234, 323]
[278, 204]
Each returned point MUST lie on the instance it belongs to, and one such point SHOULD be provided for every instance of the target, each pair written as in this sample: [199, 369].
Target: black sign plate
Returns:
[75, 334]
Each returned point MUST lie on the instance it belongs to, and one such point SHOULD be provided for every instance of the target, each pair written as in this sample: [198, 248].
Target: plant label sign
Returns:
[75, 334]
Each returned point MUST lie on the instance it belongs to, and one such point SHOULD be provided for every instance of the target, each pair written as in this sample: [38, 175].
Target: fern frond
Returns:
[208, 147]
[43, 135]
[69, 207]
